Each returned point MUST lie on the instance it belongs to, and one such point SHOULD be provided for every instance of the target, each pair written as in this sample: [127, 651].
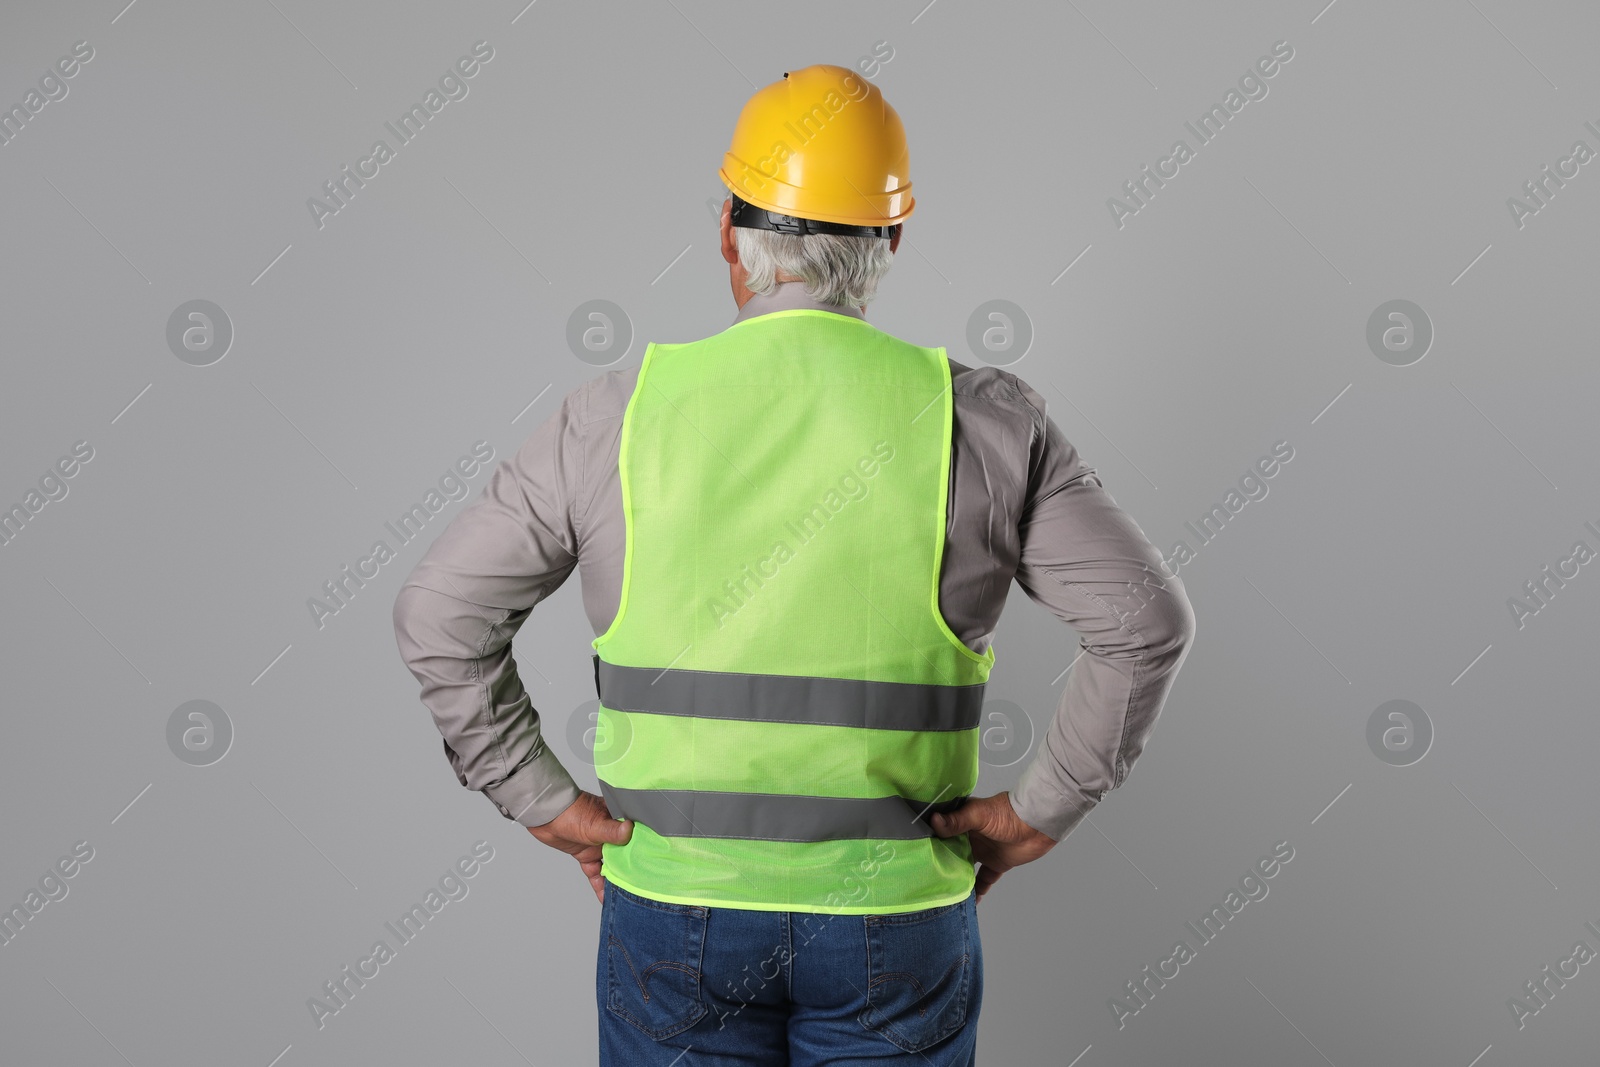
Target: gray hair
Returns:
[839, 270]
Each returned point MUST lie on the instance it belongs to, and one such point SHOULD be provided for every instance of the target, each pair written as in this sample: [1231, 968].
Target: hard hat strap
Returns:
[751, 217]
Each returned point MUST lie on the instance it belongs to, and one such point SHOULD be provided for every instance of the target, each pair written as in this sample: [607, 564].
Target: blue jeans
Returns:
[691, 986]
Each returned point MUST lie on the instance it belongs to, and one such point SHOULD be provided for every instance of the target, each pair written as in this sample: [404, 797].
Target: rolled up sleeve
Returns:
[458, 611]
[1086, 561]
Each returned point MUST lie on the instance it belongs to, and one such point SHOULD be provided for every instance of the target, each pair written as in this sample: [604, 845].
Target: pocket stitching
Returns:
[640, 980]
[887, 1028]
[907, 918]
[670, 907]
[700, 1010]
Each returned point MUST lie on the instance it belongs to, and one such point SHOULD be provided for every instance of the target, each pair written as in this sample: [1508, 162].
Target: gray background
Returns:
[1226, 316]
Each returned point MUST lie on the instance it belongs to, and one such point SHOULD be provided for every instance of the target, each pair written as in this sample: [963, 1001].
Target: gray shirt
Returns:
[1022, 505]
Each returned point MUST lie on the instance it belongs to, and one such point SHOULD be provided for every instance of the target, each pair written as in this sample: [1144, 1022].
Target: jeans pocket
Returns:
[919, 975]
[653, 961]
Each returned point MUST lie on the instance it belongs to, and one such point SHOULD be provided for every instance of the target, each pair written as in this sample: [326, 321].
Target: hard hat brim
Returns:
[872, 209]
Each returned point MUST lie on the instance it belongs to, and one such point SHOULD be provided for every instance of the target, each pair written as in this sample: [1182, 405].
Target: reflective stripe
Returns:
[772, 816]
[789, 698]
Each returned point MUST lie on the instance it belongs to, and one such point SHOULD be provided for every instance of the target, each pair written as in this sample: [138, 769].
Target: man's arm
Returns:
[1087, 561]
[456, 615]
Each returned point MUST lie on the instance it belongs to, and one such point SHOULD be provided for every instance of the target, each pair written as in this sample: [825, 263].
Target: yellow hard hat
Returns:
[821, 145]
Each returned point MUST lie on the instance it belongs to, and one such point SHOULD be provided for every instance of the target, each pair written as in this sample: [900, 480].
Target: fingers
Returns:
[960, 821]
[591, 869]
[587, 837]
[986, 878]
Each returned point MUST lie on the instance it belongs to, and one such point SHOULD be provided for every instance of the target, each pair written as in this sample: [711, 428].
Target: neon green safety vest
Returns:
[781, 702]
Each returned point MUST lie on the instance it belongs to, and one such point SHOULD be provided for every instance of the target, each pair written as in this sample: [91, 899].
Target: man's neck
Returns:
[785, 296]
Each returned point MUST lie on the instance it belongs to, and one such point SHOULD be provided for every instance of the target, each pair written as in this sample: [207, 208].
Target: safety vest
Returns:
[781, 702]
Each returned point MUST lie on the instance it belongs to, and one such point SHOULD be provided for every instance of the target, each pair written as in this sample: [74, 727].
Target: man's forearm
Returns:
[461, 654]
[1109, 710]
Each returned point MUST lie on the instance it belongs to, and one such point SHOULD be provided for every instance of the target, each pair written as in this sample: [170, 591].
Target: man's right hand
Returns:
[1000, 839]
[580, 830]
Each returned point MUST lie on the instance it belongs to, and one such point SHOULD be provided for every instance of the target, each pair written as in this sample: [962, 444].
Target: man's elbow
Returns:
[1169, 627]
[403, 616]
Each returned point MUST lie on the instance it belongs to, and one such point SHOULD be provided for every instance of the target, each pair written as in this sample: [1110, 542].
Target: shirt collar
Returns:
[785, 296]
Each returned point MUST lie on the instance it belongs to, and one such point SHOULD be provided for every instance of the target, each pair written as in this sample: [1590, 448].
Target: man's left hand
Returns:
[580, 830]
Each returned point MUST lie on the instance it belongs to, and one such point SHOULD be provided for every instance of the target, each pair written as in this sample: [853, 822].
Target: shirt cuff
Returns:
[536, 792]
[1045, 810]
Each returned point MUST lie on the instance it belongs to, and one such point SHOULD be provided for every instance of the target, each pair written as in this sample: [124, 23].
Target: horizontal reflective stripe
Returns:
[637, 750]
[789, 698]
[772, 816]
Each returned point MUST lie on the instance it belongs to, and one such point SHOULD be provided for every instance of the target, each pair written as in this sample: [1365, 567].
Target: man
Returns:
[796, 538]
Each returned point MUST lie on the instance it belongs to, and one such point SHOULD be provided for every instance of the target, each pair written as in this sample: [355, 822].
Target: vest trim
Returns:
[789, 698]
[773, 816]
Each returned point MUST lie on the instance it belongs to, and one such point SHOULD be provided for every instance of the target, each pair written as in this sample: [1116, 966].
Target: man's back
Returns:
[780, 694]
[1021, 505]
